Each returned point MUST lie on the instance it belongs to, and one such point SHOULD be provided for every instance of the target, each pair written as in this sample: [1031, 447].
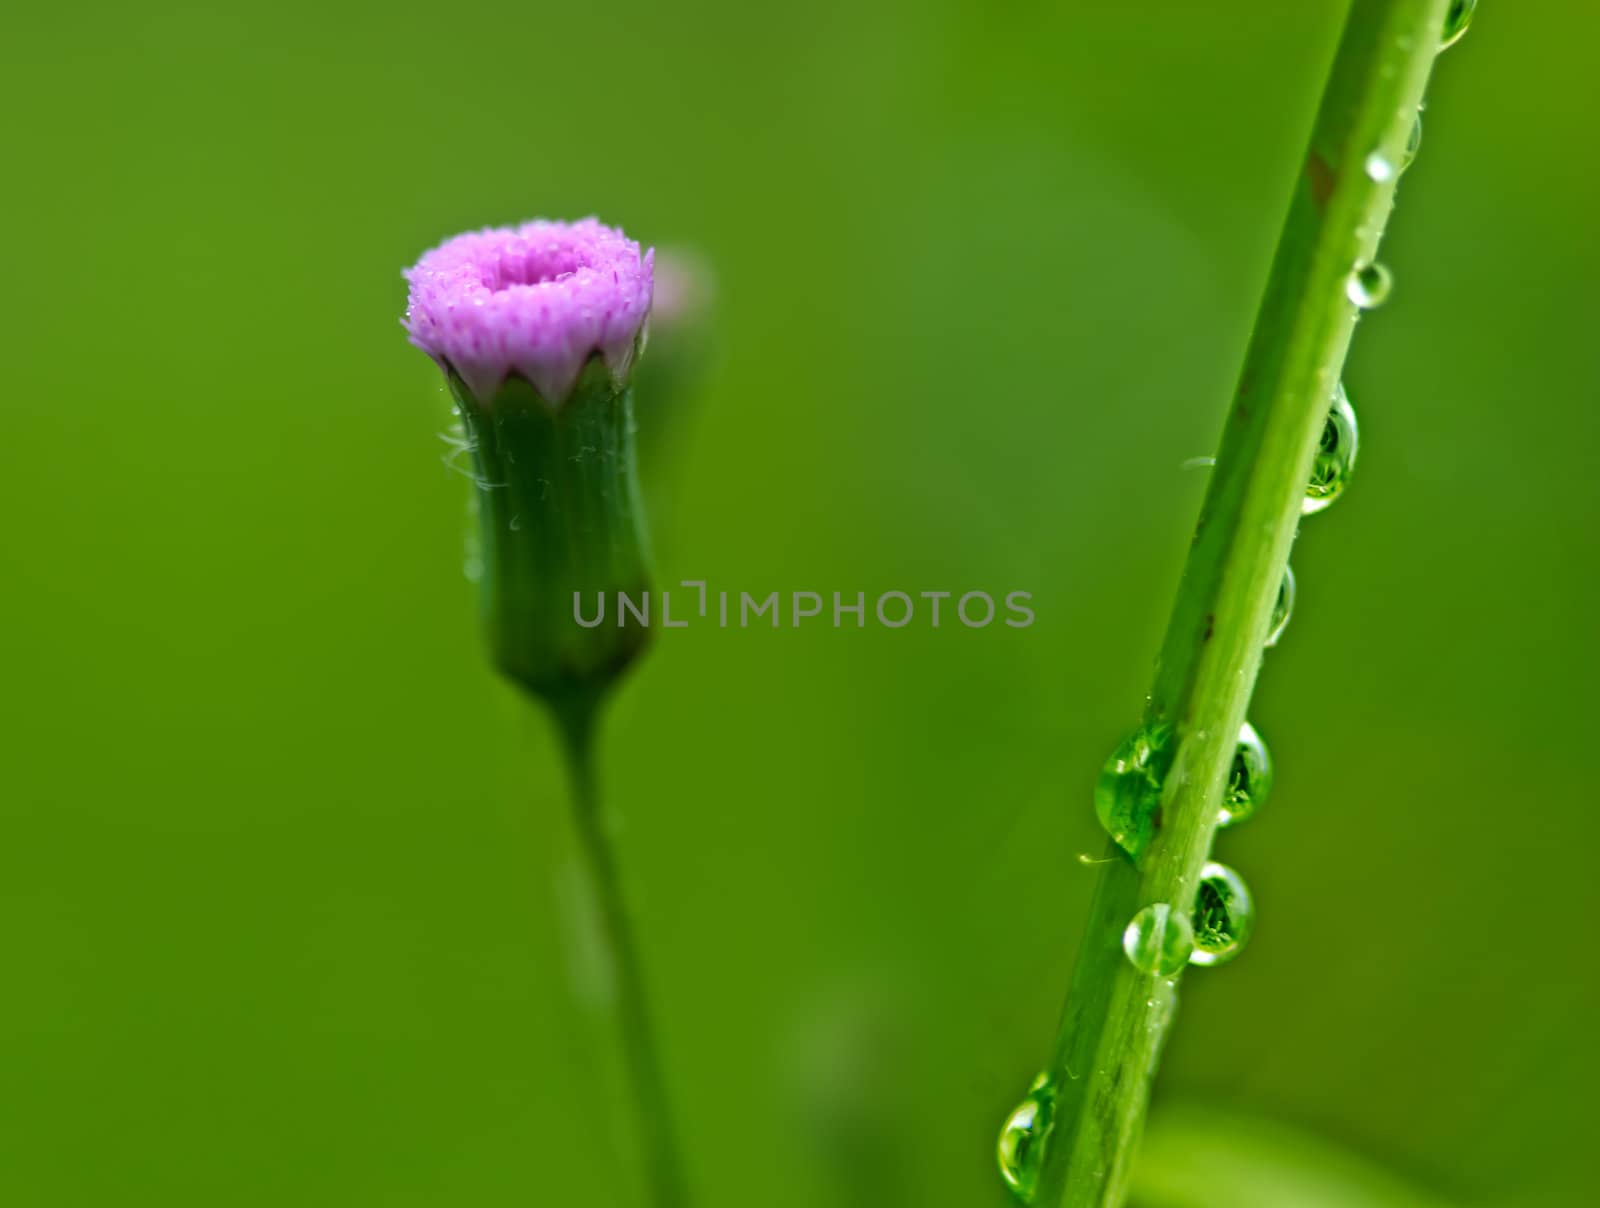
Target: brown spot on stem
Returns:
[1322, 179]
[1211, 625]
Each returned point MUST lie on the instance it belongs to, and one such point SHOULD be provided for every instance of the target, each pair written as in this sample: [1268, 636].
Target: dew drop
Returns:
[1282, 608]
[1250, 779]
[1127, 797]
[1224, 916]
[1380, 168]
[1159, 940]
[1163, 1005]
[1020, 1149]
[1336, 455]
[1369, 285]
[1413, 144]
[1456, 20]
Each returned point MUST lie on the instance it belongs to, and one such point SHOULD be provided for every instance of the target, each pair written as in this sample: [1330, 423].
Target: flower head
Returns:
[537, 300]
[537, 328]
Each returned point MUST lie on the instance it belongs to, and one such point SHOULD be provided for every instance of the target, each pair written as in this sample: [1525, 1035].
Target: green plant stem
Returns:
[1116, 1018]
[577, 715]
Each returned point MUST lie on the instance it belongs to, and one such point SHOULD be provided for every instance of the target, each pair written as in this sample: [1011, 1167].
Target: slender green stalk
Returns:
[577, 715]
[1116, 1017]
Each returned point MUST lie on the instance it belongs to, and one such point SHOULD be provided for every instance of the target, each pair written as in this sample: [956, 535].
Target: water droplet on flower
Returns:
[1020, 1150]
[1127, 797]
[1250, 779]
[1456, 20]
[1379, 167]
[1413, 144]
[1223, 916]
[1369, 285]
[1282, 608]
[1336, 455]
[1159, 940]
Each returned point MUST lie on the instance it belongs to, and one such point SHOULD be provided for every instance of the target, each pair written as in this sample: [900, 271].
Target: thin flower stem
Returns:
[577, 716]
[1116, 1018]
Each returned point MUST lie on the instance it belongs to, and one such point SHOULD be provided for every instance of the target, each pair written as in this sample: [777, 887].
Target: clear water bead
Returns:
[1249, 780]
[1380, 168]
[1224, 916]
[1159, 940]
[1336, 455]
[1369, 285]
[1413, 144]
[1456, 19]
[1020, 1149]
[1282, 608]
[1127, 797]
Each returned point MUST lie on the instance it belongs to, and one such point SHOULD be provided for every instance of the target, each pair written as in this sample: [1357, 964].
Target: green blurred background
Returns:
[281, 860]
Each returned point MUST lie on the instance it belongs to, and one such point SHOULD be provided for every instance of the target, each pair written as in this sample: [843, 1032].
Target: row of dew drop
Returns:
[1160, 940]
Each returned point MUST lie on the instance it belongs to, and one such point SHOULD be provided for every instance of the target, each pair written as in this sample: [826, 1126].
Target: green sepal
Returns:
[559, 515]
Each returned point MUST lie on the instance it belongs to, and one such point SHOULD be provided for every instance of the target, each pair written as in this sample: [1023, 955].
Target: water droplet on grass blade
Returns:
[1380, 168]
[1127, 797]
[1162, 1006]
[1369, 285]
[1020, 1149]
[1456, 20]
[1282, 608]
[1249, 780]
[1413, 144]
[1336, 455]
[1159, 940]
[1224, 916]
